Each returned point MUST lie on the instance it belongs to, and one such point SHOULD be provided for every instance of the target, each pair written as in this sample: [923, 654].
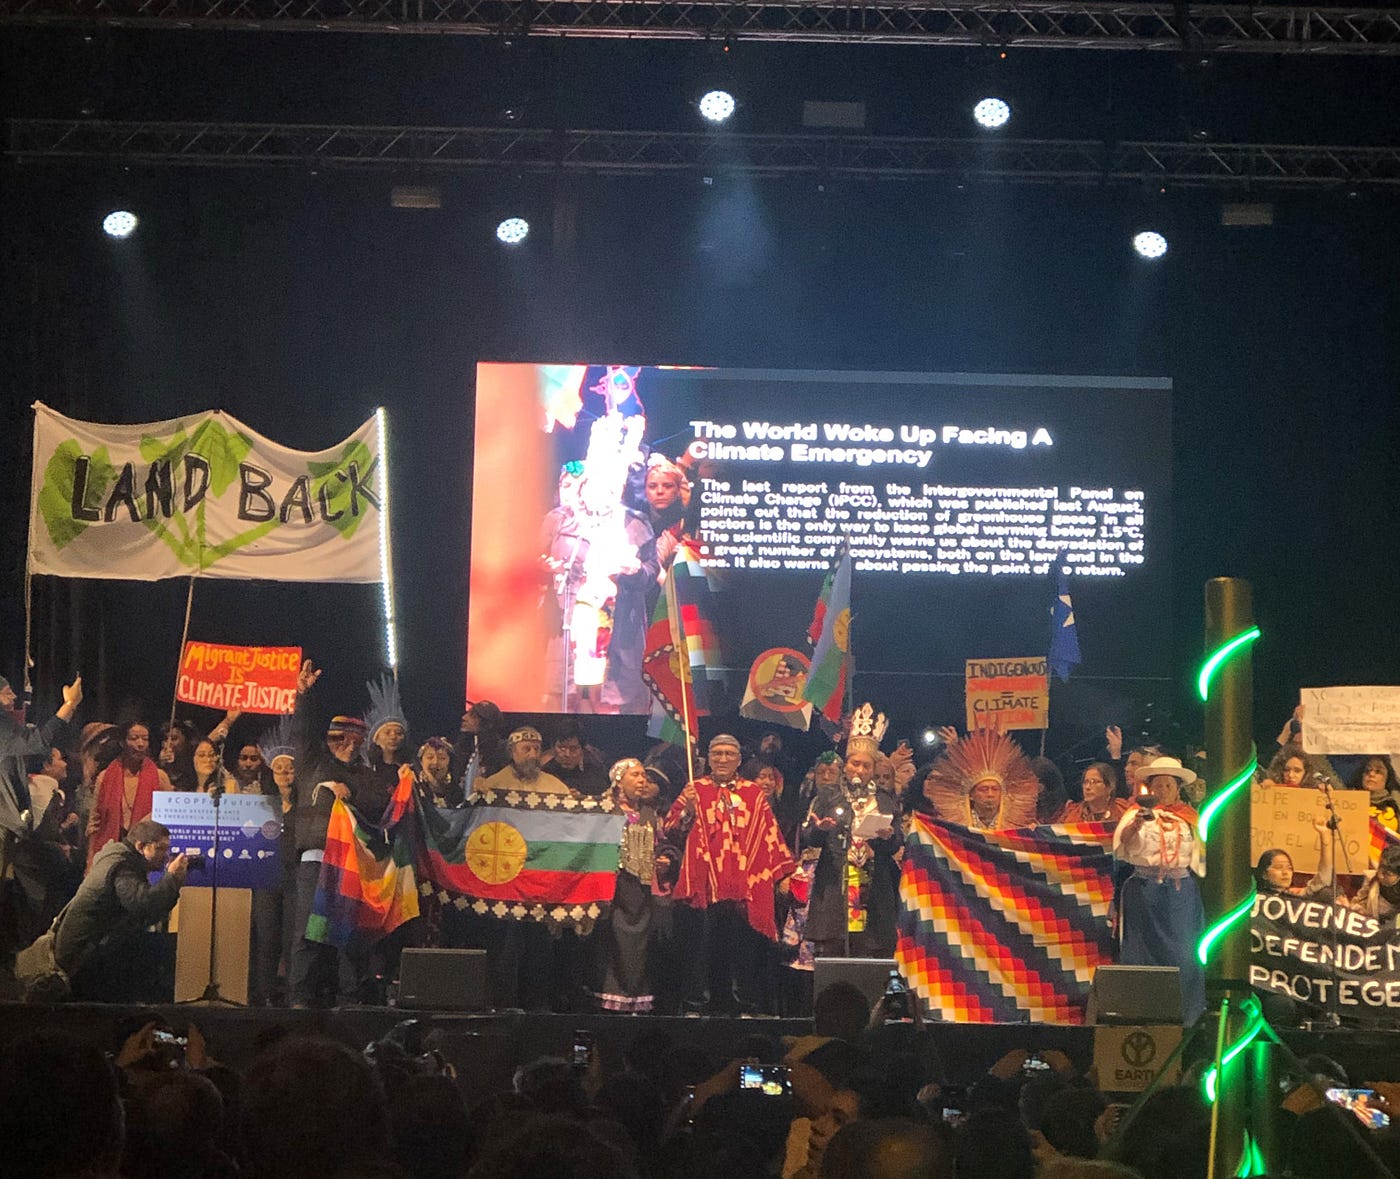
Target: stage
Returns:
[486, 1047]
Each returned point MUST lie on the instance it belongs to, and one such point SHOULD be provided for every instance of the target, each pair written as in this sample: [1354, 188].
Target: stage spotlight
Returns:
[1149, 244]
[513, 230]
[119, 223]
[991, 113]
[717, 106]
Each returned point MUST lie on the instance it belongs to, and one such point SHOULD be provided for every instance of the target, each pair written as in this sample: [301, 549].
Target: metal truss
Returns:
[657, 153]
[1067, 24]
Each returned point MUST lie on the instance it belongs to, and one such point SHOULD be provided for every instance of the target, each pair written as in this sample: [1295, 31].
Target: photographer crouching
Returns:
[94, 935]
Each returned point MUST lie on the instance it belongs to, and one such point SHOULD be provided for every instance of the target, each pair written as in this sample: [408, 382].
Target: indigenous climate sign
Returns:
[1351, 719]
[1008, 694]
[1283, 817]
[202, 496]
[1318, 953]
[251, 679]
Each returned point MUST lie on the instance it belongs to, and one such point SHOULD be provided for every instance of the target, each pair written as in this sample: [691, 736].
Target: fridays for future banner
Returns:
[202, 495]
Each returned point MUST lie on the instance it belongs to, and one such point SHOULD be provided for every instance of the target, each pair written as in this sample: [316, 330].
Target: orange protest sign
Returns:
[252, 679]
[1008, 694]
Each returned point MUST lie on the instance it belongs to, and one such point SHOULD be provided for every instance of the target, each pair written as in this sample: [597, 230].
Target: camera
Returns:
[196, 862]
[898, 1008]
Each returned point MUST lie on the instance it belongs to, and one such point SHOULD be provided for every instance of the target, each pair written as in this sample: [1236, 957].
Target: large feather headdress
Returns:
[975, 758]
[278, 741]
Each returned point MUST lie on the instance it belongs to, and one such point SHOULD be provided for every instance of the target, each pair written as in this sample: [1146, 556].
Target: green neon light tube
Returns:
[1216, 931]
[1219, 656]
[1223, 795]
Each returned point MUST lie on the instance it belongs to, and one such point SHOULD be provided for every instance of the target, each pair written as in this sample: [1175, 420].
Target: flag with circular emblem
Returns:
[542, 857]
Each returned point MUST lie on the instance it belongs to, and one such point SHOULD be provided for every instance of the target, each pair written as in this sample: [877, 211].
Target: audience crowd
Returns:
[858, 1098]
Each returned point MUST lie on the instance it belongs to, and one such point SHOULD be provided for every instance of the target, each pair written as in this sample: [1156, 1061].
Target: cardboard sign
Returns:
[252, 679]
[1008, 694]
[1127, 1059]
[250, 828]
[1351, 719]
[1283, 817]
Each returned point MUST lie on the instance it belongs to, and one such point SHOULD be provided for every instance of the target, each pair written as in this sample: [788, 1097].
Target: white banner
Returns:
[202, 495]
[1351, 719]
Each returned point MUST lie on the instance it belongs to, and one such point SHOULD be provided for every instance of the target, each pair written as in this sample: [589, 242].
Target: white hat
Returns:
[1170, 766]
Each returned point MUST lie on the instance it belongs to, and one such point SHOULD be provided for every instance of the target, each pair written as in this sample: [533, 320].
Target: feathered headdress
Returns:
[975, 758]
[278, 741]
[867, 731]
[384, 706]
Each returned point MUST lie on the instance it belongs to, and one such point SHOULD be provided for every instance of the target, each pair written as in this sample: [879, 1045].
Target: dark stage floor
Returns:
[486, 1047]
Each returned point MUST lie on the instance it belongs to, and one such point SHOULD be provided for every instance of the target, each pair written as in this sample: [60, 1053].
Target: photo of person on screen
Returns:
[658, 524]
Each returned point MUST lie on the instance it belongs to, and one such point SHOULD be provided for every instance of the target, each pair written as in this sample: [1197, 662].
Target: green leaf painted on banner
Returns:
[222, 449]
[56, 494]
[334, 476]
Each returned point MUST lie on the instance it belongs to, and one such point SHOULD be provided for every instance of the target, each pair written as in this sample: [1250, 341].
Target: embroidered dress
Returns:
[625, 940]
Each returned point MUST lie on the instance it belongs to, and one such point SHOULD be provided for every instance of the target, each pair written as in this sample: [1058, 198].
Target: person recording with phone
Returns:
[95, 934]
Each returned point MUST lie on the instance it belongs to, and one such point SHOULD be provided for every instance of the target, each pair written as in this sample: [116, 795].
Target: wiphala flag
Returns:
[1005, 926]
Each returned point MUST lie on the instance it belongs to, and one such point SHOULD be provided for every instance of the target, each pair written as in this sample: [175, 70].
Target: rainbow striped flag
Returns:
[368, 886]
[1381, 837]
[1005, 926]
[540, 857]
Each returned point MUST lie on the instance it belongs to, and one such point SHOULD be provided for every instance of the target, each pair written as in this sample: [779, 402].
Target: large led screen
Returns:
[956, 493]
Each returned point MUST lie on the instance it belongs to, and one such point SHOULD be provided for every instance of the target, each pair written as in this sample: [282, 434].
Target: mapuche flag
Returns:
[826, 685]
[541, 857]
[368, 885]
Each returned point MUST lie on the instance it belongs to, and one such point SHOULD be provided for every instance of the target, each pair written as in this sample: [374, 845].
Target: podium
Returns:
[250, 826]
[192, 943]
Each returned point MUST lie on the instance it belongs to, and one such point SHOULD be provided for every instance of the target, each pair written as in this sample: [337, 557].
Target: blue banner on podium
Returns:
[250, 826]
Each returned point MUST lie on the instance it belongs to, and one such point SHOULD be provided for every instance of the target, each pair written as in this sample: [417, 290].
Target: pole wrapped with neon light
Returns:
[1225, 684]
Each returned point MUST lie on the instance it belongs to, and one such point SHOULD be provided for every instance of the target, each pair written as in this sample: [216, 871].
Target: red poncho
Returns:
[734, 852]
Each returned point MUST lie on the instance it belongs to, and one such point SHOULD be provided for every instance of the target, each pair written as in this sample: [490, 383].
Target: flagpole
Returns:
[179, 659]
[673, 619]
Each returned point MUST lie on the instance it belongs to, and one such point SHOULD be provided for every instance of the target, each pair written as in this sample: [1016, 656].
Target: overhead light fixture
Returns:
[716, 106]
[1149, 244]
[119, 223]
[512, 231]
[992, 113]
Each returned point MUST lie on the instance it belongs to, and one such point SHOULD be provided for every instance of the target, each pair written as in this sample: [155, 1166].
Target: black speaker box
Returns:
[443, 980]
[869, 976]
[1135, 995]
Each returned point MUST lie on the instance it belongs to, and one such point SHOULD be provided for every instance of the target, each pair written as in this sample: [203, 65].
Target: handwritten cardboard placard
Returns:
[1283, 817]
[1354, 719]
[1008, 694]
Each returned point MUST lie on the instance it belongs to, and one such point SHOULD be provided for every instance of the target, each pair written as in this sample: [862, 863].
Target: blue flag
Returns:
[1064, 634]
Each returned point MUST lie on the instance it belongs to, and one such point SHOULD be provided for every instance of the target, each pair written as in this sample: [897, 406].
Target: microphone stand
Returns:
[211, 989]
[844, 827]
[1332, 1018]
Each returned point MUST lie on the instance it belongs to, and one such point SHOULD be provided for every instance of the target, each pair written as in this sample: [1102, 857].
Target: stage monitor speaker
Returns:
[443, 980]
[1135, 995]
[869, 976]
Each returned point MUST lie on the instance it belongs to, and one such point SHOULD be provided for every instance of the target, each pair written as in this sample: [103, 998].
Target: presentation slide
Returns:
[957, 494]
